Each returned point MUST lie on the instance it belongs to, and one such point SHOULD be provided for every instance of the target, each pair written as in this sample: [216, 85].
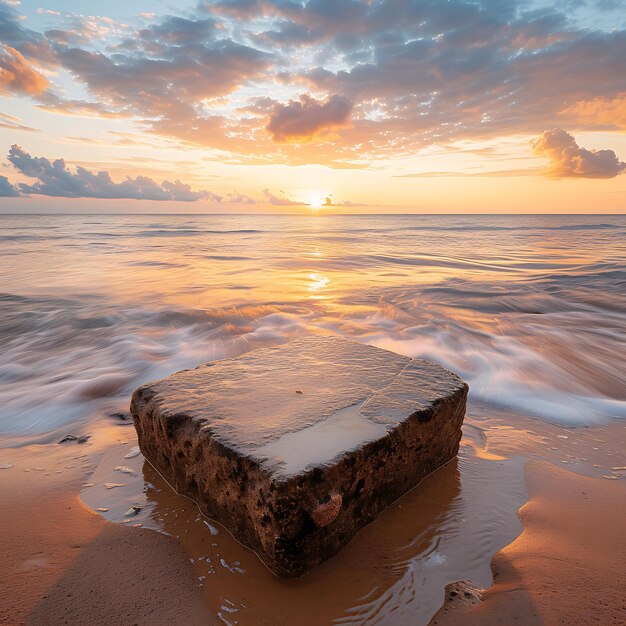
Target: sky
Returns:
[313, 106]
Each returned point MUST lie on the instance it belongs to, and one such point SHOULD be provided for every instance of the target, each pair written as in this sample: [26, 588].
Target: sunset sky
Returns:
[323, 105]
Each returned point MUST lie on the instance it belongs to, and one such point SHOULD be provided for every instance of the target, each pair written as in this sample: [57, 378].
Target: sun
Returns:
[319, 199]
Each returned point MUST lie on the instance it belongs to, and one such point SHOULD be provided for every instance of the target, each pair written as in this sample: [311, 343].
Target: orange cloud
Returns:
[410, 74]
[17, 75]
[601, 111]
[77, 108]
[568, 160]
[307, 119]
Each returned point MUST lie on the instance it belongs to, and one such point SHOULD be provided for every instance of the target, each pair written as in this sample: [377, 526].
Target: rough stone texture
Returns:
[295, 448]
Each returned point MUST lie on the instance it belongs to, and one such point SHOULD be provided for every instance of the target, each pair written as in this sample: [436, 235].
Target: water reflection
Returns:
[393, 572]
[318, 282]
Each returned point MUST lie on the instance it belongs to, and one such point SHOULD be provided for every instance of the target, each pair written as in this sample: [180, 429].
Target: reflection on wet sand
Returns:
[393, 571]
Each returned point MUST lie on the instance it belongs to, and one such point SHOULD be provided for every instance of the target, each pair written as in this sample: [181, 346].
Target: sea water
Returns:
[529, 310]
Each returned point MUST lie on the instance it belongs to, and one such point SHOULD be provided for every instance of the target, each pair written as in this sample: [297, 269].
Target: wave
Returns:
[191, 232]
[64, 362]
[533, 328]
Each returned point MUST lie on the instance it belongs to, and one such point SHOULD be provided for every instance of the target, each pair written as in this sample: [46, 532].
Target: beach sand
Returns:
[61, 563]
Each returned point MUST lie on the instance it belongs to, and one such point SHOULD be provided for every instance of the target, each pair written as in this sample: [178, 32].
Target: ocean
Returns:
[529, 310]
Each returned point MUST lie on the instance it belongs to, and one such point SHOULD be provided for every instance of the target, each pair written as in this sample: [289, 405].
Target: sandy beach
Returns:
[63, 563]
[565, 568]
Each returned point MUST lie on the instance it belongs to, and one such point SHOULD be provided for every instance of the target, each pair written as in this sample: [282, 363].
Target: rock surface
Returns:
[295, 448]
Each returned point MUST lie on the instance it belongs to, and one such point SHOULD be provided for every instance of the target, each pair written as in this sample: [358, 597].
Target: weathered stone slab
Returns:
[295, 448]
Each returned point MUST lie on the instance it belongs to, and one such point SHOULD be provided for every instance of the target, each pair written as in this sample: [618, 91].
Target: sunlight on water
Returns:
[528, 310]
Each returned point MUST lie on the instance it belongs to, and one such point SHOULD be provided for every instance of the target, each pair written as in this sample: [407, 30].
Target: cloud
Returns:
[240, 198]
[307, 119]
[380, 79]
[55, 179]
[52, 103]
[330, 202]
[7, 189]
[167, 72]
[568, 160]
[17, 75]
[530, 171]
[241, 9]
[83, 29]
[33, 45]
[13, 123]
[281, 200]
[601, 112]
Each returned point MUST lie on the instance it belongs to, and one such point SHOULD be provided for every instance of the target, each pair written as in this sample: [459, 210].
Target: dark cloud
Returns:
[306, 119]
[568, 160]
[54, 178]
[7, 189]
[31, 44]
[173, 69]
[178, 31]
[433, 88]
[422, 73]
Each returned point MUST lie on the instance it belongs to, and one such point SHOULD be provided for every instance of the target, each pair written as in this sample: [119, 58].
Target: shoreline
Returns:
[567, 565]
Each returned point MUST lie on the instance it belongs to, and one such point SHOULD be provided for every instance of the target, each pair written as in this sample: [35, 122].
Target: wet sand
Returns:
[393, 571]
[63, 563]
[566, 567]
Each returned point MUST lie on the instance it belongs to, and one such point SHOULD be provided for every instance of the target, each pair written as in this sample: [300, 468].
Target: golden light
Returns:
[318, 281]
[318, 199]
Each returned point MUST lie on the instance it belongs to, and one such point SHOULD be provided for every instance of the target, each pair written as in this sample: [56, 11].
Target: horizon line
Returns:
[311, 214]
